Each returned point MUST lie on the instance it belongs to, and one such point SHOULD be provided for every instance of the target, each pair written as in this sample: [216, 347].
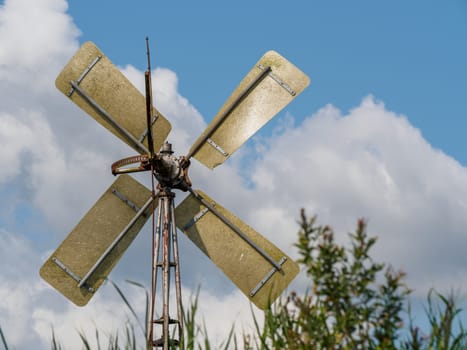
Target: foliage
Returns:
[444, 333]
[196, 336]
[347, 308]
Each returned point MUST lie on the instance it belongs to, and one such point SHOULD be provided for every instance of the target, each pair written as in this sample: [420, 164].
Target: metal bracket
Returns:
[125, 200]
[266, 278]
[197, 217]
[84, 73]
[71, 274]
[279, 81]
[217, 147]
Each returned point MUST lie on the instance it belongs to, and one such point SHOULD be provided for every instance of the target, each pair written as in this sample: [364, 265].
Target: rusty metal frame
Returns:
[165, 232]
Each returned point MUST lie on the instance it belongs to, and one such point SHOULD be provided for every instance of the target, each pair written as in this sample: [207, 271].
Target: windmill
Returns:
[82, 262]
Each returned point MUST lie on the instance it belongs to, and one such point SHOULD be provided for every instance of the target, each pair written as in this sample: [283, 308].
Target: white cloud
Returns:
[107, 314]
[34, 39]
[30, 151]
[15, 138]
[366, 163]
[374, 164]
[19, 288]
[30, 309]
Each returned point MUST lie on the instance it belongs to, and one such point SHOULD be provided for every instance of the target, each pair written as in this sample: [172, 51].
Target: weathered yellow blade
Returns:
[272, 84]
[253, 274]
[99, 240]
[96, 75]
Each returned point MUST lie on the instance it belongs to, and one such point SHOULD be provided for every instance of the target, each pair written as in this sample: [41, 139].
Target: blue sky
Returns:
[378, 134]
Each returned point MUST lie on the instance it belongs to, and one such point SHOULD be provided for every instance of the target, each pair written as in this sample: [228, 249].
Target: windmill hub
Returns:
[170, 171]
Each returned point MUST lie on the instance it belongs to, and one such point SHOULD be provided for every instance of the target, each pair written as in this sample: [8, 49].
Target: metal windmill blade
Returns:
[270, 85]
[92, 81]
[256, 266]
[85, 258]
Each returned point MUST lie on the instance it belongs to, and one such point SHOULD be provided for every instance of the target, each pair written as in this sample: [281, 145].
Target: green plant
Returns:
[352, 303]
[55, 344]
[345, 308]
[445, 331]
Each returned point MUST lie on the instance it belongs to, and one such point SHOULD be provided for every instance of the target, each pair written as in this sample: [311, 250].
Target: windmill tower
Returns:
[82, 262]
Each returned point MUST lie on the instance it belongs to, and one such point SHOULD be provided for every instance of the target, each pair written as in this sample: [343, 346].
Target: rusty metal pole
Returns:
[165, 273]
[155, 258]
[165, 233]
[178, 290]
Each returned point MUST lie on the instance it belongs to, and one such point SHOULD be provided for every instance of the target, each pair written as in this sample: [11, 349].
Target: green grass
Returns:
[445, 331]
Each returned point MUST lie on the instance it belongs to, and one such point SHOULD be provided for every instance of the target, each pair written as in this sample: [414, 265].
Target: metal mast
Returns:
[170, 173]
[82, 262]
[163, 230]
[165, 259]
